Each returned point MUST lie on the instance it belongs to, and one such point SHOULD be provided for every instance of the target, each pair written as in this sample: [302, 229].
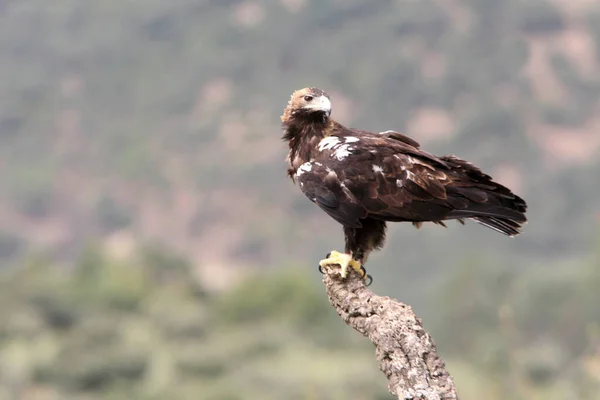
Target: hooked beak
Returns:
[320, 103]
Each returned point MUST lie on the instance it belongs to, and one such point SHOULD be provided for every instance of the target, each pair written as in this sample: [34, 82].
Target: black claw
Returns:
[367, 278]
[321, 268]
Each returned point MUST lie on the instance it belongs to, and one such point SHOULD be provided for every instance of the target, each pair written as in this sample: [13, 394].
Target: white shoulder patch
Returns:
[306, 167]
[328, 142]
[342, 152]
[377, 168]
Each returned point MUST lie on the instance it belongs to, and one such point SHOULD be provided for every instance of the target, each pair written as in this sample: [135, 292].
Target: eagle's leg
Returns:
[361, 241]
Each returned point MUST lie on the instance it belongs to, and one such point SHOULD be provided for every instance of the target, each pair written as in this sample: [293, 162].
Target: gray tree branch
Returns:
[405, 352]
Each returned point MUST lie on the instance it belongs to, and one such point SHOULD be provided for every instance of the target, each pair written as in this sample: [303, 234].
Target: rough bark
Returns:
[405, 352]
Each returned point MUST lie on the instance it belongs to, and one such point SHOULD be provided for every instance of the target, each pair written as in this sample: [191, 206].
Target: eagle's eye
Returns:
[308, 97]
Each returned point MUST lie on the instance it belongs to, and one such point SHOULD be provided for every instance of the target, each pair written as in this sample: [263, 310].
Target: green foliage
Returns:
[537, 334]
[144, 328]
[289, 296]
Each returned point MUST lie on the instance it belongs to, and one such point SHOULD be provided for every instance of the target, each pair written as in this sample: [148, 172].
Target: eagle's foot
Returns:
[345, 260]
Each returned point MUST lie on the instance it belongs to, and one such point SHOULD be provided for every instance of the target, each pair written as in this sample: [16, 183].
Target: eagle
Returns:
[363, 180]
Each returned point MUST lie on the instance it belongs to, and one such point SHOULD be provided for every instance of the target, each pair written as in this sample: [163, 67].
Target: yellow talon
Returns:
[343, 260]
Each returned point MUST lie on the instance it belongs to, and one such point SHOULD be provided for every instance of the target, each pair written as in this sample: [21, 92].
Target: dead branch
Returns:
[405, 352]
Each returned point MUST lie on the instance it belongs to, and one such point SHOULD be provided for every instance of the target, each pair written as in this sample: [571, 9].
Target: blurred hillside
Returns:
[135, 121]
[155, 125]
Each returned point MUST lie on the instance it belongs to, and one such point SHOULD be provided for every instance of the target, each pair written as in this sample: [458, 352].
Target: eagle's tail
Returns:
[508, 227]
[476, 196]
[504, 220]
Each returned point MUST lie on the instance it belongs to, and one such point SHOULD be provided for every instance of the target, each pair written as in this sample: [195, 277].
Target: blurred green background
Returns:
[152, 247]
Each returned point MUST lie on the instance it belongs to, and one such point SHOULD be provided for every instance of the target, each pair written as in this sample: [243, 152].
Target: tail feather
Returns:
[505, 226]
[488, 203]
[506, 221]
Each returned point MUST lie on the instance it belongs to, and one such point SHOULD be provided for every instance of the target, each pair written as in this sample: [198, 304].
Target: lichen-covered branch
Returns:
[405, 352]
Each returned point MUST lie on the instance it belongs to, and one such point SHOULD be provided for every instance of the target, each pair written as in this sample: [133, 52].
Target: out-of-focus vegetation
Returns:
[144, 327]
[161, 120]
[128, 122]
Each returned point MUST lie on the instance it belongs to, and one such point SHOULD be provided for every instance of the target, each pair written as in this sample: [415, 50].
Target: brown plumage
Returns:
[363, 179]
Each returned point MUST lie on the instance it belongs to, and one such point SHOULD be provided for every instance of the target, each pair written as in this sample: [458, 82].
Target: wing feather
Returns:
[388, 177]
[323, 188]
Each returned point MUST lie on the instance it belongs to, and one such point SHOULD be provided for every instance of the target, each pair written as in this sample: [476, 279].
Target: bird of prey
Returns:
[363, 180]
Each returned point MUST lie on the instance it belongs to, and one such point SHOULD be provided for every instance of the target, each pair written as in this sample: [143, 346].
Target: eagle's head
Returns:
[307, 105]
